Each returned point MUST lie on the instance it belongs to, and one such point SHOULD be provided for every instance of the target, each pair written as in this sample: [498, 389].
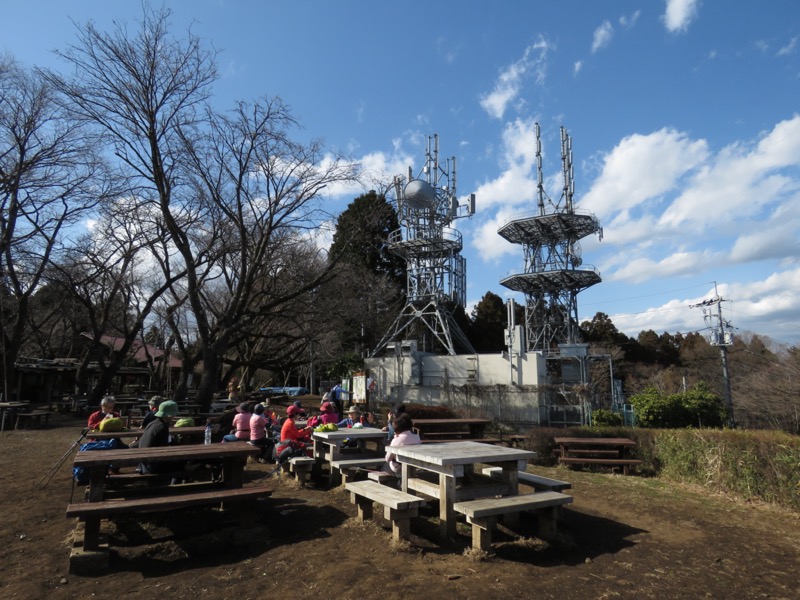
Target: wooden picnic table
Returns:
[232, 456]
[198, 431]
[452, 467]
[329, 447]
[474, 428]
[596, 451]
[9, 410]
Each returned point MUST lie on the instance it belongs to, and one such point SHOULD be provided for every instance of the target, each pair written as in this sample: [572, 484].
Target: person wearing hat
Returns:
[293, 439]
[241, 425]
[353, 417]
[327, 414]
[156, 434]
[152, 407]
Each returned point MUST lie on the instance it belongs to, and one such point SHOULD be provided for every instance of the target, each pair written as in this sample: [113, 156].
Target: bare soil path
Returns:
[624, 537]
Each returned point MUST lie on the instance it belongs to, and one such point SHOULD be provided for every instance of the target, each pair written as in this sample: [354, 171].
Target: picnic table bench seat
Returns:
[482, 514]
[399, 507]
[300, 467]
[537, 482]
[625, 463]
[346, 469]
[32, 418]
[92, 512]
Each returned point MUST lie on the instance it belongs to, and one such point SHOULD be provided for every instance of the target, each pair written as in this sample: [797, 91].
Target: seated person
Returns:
[293, 439]
[152, 406]
[241, 425]
[353, 417]
[156, 434]
[403, 436]
[327, 414]
[261, 433]
[106, 411]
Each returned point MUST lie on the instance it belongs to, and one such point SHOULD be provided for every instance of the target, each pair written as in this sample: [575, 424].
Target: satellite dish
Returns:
[419, 194]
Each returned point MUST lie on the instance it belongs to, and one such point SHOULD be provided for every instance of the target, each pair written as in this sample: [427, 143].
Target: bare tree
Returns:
[231, 191]
[49, 178]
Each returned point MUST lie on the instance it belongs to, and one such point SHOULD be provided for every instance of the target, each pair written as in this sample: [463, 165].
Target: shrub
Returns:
[605, 418]
[698, 407]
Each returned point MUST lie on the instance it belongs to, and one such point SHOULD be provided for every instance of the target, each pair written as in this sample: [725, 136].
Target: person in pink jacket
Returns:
[403, 436]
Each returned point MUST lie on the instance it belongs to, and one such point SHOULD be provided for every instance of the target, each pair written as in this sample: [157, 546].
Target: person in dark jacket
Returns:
[156, 434]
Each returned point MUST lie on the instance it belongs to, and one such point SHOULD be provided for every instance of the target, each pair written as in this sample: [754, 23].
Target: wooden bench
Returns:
[598, 453]
[383, 478]
[482, 514]
[32, 417]
[625, 463]
[479, 440]
[91, 513]
[344, 470]
[300, 467]
[399, 507]
[535, 481]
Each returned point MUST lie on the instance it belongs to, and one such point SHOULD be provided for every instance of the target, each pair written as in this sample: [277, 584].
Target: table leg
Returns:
[233, 472]
[447, 516]
[97, 477]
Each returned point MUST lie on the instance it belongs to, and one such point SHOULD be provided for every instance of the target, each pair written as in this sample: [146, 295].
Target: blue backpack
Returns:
[81, 474]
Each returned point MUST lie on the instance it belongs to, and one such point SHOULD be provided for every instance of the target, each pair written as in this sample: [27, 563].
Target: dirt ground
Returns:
[623, 537]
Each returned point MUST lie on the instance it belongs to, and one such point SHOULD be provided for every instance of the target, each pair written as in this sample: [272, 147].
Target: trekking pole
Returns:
[51, 473]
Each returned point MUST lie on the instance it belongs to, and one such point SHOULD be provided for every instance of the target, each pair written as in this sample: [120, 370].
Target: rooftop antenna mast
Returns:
[426, 206]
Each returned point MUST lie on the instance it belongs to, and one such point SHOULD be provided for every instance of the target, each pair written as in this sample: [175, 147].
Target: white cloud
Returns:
[642, 168]
[577, 67]
[602, 36]
[629, 21]
[788, 48]
[509, 83]
[679, 14]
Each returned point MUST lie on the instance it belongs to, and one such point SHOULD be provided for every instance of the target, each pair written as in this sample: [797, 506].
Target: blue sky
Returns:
[684, 114]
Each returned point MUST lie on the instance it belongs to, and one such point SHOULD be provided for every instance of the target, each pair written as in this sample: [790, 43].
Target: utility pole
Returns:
[722, 337]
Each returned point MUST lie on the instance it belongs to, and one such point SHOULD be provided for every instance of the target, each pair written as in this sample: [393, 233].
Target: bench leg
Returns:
[364, 507]
[482, 533]
[91, 534]
[401, 521]
[547, 522]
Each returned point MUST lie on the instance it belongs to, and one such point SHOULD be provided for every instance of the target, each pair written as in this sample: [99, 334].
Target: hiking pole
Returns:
[61, 460]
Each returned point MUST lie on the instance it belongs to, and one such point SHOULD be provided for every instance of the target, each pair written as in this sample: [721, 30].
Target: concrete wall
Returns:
[482, 384]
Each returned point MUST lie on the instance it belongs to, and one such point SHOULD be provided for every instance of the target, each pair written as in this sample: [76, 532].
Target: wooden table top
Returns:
[461, 453]
[594, 441]
[128, 433]
[133, 456]
[353, 434]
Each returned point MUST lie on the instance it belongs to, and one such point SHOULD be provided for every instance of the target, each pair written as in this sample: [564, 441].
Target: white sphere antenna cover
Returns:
[419, 194]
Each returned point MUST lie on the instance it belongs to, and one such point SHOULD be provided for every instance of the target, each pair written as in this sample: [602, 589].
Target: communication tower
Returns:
[426, 206]
[554, 272]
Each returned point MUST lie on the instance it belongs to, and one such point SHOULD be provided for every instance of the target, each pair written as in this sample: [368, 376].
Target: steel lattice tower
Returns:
[553, 276]
[435, 270]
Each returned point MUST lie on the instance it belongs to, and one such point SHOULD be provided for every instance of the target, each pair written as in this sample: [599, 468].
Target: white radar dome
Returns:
[419, 194]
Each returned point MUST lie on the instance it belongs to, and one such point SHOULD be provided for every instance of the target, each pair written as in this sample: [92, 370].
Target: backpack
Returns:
[81, 474]
[112, 424]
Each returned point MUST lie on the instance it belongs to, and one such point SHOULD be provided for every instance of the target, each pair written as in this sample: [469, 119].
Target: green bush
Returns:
[605, 418]
[697, 407]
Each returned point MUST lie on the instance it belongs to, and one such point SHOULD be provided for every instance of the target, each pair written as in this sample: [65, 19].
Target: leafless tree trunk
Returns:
[49, 178]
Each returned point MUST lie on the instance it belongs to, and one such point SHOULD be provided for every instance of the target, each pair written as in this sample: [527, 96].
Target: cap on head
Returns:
[167, 409]
[293, 411]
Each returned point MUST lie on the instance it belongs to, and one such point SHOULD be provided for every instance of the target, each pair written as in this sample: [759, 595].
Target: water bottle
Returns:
[208, 434]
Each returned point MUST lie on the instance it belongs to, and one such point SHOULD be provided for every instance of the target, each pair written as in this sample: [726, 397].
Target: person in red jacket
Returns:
[106, 410]
[293, 439]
